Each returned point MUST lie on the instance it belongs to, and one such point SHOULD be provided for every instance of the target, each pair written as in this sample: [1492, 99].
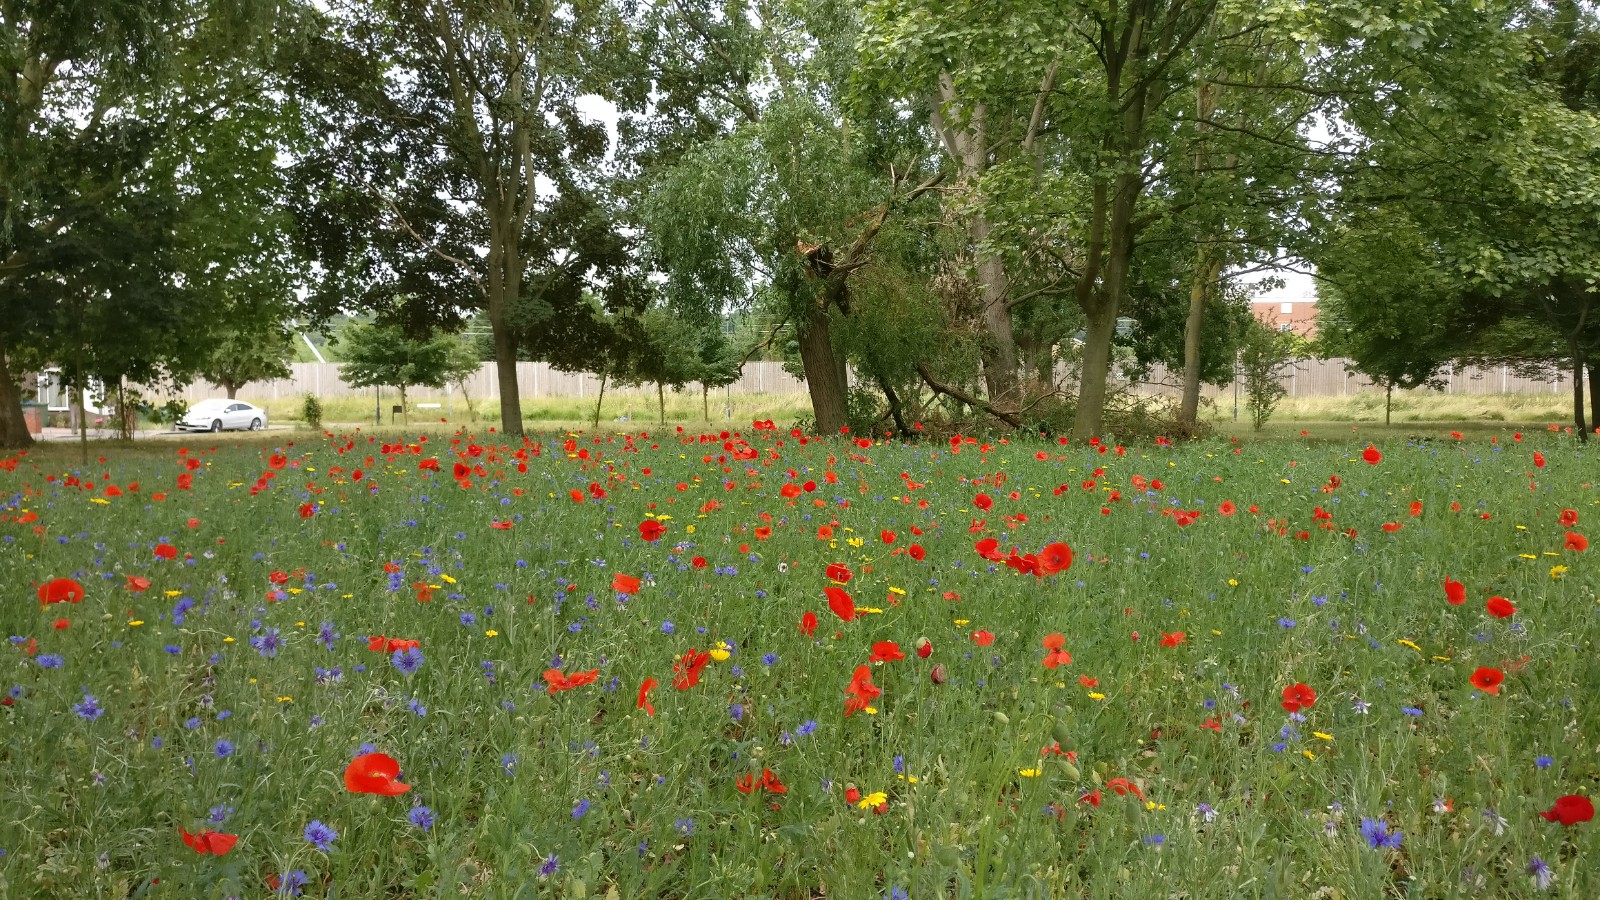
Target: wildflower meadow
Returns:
[753, 663]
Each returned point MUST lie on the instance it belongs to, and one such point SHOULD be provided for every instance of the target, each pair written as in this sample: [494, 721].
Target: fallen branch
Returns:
[955, 392]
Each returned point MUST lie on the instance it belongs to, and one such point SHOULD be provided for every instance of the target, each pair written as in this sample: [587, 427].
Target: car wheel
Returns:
[216, 424]
[255, 424]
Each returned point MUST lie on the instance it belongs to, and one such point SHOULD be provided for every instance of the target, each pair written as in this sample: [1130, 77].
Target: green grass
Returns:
[976, 806]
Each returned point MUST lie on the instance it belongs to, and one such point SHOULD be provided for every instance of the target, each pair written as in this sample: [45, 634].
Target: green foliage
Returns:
[382, 354]
[311, 411]
[1262, 355]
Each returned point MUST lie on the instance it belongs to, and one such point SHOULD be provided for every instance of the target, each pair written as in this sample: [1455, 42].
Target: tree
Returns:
[1262, 355]
[384, 355]
[772, 189]
[444, 120]
[251, 351]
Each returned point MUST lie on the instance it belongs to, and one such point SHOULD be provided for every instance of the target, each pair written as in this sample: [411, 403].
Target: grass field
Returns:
[234, 618]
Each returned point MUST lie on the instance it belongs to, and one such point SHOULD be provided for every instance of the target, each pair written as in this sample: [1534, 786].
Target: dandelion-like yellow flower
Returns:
[1096, 695]
[1557, 571]
[873, 799]
[1028, 773]
[491, 633]
[1322, 736]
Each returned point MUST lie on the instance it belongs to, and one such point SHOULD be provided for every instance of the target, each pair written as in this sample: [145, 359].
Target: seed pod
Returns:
[1001, 717]
[1061, 733]
[939, 675]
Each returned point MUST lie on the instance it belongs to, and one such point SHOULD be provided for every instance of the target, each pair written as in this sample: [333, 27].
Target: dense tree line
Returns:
[955, 203]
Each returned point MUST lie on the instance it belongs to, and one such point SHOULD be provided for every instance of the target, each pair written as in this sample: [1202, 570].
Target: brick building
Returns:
[1298, 315]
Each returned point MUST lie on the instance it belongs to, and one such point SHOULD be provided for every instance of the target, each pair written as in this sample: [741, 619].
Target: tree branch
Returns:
[940, 387]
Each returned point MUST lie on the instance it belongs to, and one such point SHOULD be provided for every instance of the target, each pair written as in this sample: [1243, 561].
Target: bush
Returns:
[311, 410]
[1262, 355]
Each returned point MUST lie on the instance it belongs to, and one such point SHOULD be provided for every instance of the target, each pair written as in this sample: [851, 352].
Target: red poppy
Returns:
[808, 624]
[686, 671]
[1487, 679]
[1092, 798]
[61, 590]
[1455, 592]
[166, 551]
[1416, 508]
[885, 651]
[983, 502]
[61, 624]
[887, 536]
[744, 784]
[1173, 639]
[1538, 460]
[1088, 682]
[1392, 527]
[214, 842]
[1057, 656]
[924, 648]
[916, 552]
[982, 638]
[185, 481]
[1299, 696]
[277, 461]
[1570, 810]
[840, 603]
[1576, 541]
[1371, 455]
[989, 549]
[424, 591]
[1500, 607]
[374, 773]
[1056, 557]
[624, 584]
[651, 530]
[852, 794]
[1227, 508]
[861, 690]
[381, 644]
[771, 784]
[644, 696]
[560, 681]
[1124, 787]
[1569, 518]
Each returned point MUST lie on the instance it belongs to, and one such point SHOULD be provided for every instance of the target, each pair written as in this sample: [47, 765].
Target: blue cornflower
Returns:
[290, 883]
[736, 711]
[581, 809]
[898, 893]
[769, 659]
[685, 827]
[191, 723]
[899, 764]
[223, 749]
[1543, 762]
[267, 643]
[1411, 710]
[807, 728]
[50, 661]
[1285, 622]
[420, 816]
[89, 708]
[408, 660]
[667, 628]
[469, 619]
[1378, 835]
[321, 835]
[551, 865]
[416, 706]
[219, 814]
[508, 764]
[1540, 870]
[1155, 840]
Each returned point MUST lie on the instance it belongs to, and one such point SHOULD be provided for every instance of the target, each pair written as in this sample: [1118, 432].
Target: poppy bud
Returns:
[1002, 718]
[1061, 733]
[924, 648]
[851, 794]
[1071, 771]
[939, 675]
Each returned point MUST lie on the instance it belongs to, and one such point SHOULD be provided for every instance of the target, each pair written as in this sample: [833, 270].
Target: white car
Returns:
[219, 415]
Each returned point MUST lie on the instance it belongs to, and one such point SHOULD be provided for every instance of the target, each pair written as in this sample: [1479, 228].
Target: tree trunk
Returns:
[1000, 348]
[705, 401]
[825, 378]
[1096, 370]
[1594, 394]
[600, 399]
[231, 389]
[661, 403]
[1388, 401]
[1206, 271]
[83, 422]
[505, 280]
[1578, 406]
[14, 433]
[405, 409]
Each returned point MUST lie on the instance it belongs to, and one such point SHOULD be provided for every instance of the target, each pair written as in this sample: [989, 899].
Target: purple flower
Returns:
[1378, 835]
[408, 661]
[290, 883]
[420, 816]
[552, 863]
[327, 635]
[267, 643]
[89, 708]
[1540, 870]
[321, 836]
[581, 809]
[49, 661]
[224, 748]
